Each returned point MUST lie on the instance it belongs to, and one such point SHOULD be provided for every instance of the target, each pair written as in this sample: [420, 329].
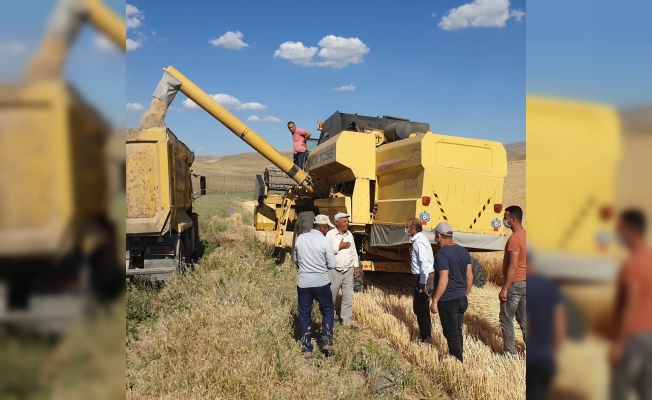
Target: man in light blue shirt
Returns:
[314, 256]
[422, 266]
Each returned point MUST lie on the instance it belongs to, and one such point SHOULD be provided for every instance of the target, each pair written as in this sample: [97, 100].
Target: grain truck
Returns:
[57, 240]
[161, 226]
[380, 171]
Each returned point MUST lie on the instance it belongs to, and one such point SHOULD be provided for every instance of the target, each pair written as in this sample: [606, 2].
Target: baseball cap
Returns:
[322, 219]
[444, 228]
[341, 215]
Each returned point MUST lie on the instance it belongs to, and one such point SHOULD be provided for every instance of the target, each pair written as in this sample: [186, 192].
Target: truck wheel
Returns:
[574, 319]
[358, 282]
[181, 254]
[479, 279]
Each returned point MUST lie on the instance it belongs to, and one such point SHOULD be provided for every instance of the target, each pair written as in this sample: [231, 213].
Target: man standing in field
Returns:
[454, 283]
[512, 294]
[299, 143]
[631, 353]
[422, 265]
[346, 270]
[314, 256]
[546, 322]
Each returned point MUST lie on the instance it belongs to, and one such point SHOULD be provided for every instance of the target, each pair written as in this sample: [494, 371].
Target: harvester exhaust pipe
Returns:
[174, 81]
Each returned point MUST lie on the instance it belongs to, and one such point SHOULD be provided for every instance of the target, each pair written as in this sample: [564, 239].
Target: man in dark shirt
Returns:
[455, 279]
[546, 324]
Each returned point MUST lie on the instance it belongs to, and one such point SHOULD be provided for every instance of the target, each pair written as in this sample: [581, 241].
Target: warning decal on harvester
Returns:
[424, 217]
[495, 223]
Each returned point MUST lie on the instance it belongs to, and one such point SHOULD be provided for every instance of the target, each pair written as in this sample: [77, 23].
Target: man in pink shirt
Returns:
[299, 140]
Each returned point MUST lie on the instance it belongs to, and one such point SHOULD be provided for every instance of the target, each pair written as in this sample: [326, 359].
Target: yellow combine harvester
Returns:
[56, 236]
[574, 151]
[383, 171]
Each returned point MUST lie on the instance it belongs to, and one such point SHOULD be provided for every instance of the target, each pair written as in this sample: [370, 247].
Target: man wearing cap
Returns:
[314, 256]
[346, 268]
[455, 280]
[422, 266]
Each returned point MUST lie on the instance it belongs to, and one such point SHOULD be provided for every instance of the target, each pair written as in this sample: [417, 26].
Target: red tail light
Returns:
[425, 200]
[161, 250]
[498, 208]
[606, 213]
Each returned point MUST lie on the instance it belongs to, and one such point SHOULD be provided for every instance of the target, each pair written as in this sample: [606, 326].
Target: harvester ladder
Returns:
[286, 206]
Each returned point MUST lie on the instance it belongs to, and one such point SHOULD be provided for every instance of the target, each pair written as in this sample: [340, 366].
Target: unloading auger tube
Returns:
[174, 81]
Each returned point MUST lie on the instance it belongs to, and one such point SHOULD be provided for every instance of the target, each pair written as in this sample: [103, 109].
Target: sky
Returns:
[590, 50]
[95, 67]
[458, 65]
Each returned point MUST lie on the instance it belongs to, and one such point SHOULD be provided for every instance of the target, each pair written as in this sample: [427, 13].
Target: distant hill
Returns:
[515, 151]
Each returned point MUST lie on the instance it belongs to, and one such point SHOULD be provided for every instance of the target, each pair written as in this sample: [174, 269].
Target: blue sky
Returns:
[463, 79]
[94, 66]
[593, 50]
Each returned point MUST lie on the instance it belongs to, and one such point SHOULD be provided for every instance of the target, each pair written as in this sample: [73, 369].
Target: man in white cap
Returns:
[346, 268]
[314, 256]
[422, 266]
[454, 283]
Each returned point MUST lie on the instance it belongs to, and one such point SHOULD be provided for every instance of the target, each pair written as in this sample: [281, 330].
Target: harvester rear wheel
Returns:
[479, 279]
[359, 281]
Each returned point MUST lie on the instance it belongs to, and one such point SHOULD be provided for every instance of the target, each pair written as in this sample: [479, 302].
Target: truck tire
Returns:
[479, 279]
[181, 254]
[358, 283]
[575, 325]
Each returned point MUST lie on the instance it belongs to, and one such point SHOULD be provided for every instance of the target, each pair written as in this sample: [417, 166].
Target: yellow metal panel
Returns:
[39, 213]
[333, 206]
[158, 180]
[462, 177]
[386, 266]
[569, 187]
[343, 158]
[265, 218]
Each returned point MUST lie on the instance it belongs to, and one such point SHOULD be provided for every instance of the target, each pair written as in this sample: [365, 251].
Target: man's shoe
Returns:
[329, 350]
[421, 342]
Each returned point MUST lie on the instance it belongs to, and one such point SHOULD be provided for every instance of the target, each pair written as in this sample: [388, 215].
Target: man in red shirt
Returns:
[299, 140]
[631, 353]
[512, 294]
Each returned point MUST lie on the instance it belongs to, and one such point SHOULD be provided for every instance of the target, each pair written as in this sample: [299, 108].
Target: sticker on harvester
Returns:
[410, 184]
[424, 217]
[495, 223]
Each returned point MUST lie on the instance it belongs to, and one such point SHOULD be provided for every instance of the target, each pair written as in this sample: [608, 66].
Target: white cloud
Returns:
[201, 148]
[104, 44]
[132, 10]
[479, 14]
[517, 14]
[344, 88]
[433, 15]
[296, 53]
[153, 33]
[134, 44]
[135, 107]
[134, 17]
[251, 106]
[12, 47]
[268, 118]
[228, 102]
[230, 40]
[335, 52]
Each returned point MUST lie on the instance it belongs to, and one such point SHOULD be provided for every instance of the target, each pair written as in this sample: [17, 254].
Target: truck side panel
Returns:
[158, 179]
